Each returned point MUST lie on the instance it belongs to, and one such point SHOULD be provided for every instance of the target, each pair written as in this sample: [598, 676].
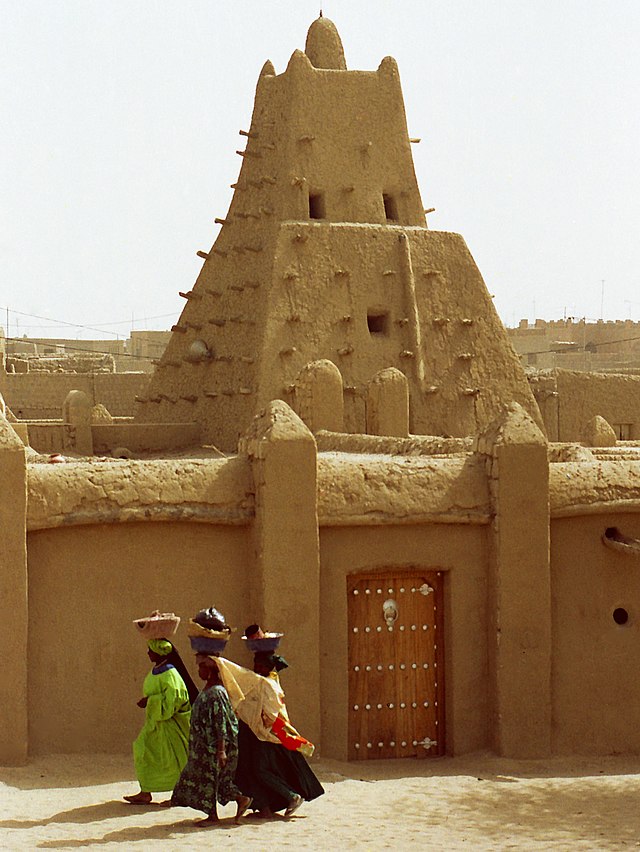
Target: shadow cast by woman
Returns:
[79, 816]
[138, 833]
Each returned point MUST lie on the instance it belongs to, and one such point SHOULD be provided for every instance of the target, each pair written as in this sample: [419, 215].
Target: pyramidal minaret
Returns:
[325, 254]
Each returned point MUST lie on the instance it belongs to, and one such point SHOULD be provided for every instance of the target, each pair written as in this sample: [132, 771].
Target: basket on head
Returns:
[268, 642]
[206, 641]
[158, 625]
[207, 645]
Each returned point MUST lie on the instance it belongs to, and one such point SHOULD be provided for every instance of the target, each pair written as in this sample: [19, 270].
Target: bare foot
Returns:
[244, 803]
[263, 813]
[294, 804]
[208, 822]
[139, 799]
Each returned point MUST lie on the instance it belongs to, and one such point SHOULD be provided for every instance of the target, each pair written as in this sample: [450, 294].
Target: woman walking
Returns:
[208, 777]
[160, 750]
[276, 775]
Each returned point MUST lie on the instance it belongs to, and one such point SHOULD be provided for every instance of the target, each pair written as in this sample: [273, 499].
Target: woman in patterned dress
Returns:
[208, 777]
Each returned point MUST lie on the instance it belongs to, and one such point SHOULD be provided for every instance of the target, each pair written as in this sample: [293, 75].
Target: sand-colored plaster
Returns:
[520, 642]
[324, 46]
[144, 437]
[598, 433]
[86, 585]
[568, 399]
[286, 577]
[213, 490]
[413, 445]
[13, 596]
[388, 404]
[596, 695]
[359, 489]
[319, 396]
[583, 488]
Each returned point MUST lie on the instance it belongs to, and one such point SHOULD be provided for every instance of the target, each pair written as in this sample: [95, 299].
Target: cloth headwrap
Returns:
[271, 660]
[160, 646]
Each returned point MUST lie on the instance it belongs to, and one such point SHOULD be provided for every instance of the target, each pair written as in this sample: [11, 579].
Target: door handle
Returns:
[390, 611]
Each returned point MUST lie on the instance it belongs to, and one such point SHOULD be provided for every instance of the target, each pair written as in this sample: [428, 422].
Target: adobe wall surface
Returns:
[13, 594]
[108, 541]
[442, 332]
[143, 437]
[569, 399]
[86, 585]
[356, 490]
[596, 345]
[41, 395]
[460, 552]
[596, 695]
[81, 493]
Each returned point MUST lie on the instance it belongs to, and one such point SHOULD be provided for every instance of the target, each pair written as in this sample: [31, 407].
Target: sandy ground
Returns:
[482, 802]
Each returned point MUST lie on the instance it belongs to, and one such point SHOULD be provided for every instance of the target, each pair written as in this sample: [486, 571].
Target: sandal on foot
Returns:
[294, 804]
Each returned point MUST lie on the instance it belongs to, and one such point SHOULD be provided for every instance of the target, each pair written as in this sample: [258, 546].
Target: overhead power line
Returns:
[95, 327]
[578, 348]
[92, 351]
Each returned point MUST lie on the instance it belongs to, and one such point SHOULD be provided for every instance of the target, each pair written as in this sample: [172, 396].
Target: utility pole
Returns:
[602, 299]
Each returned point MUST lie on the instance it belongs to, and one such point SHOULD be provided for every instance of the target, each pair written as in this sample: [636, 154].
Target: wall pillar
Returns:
[388, 404]
[76, 414]
[519, 605]
[319, 396]
[13, 597]
[286, 588]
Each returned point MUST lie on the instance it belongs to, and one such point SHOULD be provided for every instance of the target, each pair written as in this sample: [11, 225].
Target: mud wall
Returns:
[568, 399]
[596, 695]
[41, 395]
[86, 585]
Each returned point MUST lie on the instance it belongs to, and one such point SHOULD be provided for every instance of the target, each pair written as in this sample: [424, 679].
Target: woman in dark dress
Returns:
[275, 777]
[208, 777]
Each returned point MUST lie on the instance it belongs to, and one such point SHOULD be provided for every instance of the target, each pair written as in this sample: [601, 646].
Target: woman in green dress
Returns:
[161, 748]
[208, 777]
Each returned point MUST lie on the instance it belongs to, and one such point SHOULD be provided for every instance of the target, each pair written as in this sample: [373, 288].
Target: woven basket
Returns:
[158, 625]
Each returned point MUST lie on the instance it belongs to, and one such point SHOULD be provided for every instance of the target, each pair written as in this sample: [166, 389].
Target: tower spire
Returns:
[324, 45]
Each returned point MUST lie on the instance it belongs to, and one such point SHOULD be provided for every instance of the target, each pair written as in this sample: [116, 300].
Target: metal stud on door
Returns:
[395, 671]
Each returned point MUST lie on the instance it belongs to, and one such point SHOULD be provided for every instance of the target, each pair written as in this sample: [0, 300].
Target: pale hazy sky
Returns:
[119, 122]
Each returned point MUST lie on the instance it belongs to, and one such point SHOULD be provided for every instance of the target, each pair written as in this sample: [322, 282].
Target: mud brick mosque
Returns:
[340, 443]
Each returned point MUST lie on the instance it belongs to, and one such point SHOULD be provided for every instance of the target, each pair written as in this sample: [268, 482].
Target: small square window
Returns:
[316, 205]
[378, 322]
[390, 207]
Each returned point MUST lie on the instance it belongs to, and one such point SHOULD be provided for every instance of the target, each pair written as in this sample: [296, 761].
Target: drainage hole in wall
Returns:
[620, 615]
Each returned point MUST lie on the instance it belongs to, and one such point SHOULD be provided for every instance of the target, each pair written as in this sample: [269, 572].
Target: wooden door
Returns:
[396, 686]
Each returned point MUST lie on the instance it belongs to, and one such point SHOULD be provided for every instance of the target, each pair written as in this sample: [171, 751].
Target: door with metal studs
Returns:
[396, 684]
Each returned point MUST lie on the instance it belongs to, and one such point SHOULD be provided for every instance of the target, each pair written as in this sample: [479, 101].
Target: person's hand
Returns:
[142, 702]
[222, 759]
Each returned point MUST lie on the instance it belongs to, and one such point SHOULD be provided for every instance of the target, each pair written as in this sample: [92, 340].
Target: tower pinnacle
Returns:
[324, 46]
